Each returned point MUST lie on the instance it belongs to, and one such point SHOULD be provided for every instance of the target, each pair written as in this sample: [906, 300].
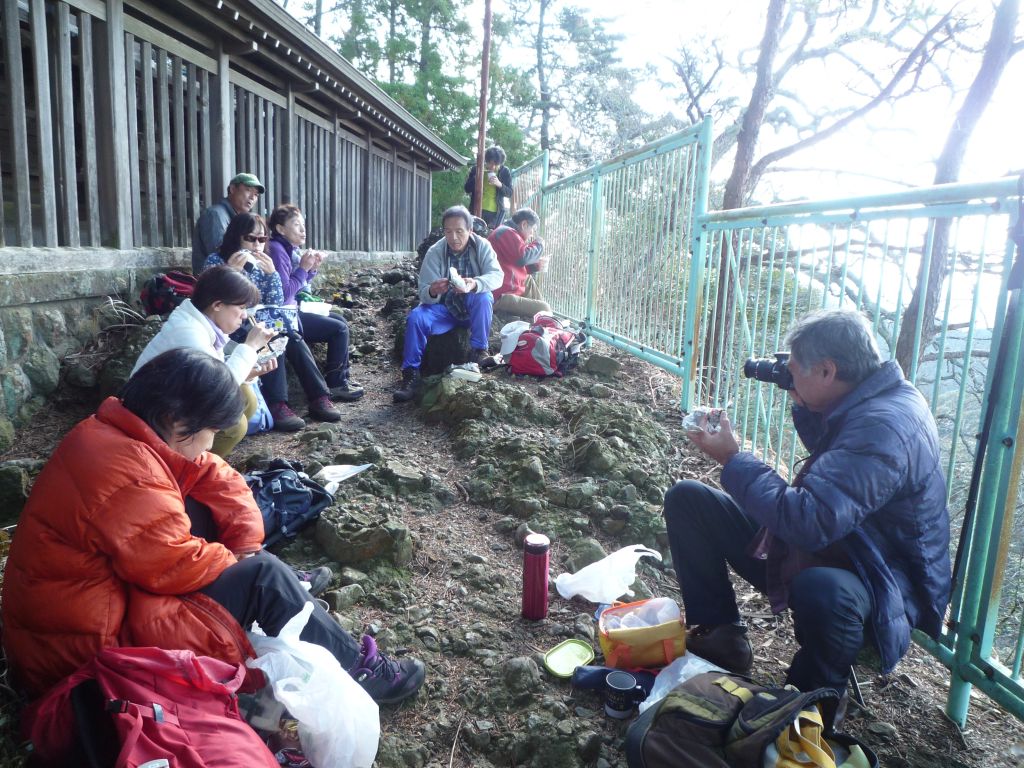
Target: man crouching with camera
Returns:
[856, 545]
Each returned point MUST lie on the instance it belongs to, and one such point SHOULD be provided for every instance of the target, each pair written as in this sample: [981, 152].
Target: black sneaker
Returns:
[386, 680]
[724, 645]
[318, 579]
[491, 362]
[347, 392]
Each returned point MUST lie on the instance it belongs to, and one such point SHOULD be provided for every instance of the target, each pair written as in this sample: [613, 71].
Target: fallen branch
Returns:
[455, 741]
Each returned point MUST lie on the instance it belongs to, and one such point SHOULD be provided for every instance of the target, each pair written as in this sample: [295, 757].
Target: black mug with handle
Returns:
[622, 694]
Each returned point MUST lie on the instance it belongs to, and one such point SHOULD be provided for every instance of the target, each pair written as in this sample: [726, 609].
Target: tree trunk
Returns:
[737, 187]
[542, 82]
[924, 303]
[392, 35]
[424, 64]
[318, 16]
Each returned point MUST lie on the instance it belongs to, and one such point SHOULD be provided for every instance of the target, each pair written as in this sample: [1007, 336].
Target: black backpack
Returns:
[287, 498]
[722, 720]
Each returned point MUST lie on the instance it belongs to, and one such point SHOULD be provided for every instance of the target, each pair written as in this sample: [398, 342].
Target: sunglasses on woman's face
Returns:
[255, 238]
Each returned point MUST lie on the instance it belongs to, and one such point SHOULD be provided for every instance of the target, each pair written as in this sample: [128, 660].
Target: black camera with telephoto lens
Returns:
[774, 371]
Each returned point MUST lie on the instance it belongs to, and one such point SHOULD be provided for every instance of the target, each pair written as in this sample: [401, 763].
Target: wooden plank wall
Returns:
[54, 189]
[330, 165]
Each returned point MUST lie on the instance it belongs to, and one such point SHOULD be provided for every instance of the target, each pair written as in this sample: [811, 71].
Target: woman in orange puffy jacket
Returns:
[105, 554]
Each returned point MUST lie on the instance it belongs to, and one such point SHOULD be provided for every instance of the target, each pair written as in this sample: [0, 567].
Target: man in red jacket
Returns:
[521, 255]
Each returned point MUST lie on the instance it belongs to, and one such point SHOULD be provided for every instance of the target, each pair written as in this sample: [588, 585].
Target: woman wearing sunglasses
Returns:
[244, 250]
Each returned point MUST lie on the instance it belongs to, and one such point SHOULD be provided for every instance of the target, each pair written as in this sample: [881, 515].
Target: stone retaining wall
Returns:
[48, 302]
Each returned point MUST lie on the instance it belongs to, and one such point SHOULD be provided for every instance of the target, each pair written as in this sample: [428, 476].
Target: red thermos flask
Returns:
[535, 576]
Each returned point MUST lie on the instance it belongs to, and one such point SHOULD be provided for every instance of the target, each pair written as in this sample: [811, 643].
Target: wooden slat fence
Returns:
[58, 145]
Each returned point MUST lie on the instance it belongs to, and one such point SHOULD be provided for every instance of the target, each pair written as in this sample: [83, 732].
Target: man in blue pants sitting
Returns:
[856, 545]
[449, 300]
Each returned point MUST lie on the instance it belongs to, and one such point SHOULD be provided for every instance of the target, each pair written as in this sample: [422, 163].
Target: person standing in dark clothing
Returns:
[497, 191]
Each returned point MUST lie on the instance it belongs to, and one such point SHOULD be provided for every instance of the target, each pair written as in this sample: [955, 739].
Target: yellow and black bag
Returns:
[723, 720]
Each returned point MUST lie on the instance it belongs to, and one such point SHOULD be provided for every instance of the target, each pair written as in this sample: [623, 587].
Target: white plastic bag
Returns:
[606, 580]
[339, 724]
[332, 476]
[675, 674]
[456, 279]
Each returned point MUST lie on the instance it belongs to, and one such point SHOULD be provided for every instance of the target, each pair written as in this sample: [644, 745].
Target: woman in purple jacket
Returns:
[250, 232]
[297, 270]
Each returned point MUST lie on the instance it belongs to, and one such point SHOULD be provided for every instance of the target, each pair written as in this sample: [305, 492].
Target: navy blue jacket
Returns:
[875, 486]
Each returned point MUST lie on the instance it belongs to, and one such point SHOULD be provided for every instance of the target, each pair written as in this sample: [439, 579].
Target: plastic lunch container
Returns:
[561, 660]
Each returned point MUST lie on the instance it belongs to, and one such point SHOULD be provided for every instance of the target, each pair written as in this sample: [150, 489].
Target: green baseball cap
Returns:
[250, 180]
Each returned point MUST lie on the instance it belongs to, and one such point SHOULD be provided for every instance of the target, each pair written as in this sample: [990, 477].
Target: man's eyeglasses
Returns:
[255, 238]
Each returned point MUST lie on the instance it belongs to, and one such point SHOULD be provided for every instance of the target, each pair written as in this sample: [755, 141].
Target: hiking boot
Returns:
[322, 409]
[410, 385]
[347, 392]
[724, 645]
[318, 579]
[477, 356]
[386, 680]
[285, 419]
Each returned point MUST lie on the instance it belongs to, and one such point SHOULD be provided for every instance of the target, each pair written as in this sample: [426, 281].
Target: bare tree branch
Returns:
[908, 65]
[933, 268]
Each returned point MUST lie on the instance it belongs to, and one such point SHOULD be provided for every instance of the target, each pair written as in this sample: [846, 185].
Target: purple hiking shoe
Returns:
[387, 681]
[318, 579]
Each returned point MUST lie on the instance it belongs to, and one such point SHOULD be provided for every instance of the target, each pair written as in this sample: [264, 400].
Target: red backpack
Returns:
[549, 348]
[166, 290]
[129, 706]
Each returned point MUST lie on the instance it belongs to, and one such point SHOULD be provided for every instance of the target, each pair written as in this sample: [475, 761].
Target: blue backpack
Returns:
[287, 498]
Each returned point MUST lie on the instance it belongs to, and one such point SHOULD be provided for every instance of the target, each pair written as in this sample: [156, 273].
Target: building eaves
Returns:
[336, 75]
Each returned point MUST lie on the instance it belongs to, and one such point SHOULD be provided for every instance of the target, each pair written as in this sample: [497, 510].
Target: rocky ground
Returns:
[425, 546]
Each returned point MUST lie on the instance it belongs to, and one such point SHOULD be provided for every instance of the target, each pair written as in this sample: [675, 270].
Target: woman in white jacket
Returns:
[218, 308]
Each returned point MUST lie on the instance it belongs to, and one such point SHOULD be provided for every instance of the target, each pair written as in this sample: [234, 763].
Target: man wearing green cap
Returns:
[243, 192]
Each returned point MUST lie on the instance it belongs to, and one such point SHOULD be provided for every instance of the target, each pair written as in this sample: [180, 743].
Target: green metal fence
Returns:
[622, 238]
[639, 261]
[528, 181]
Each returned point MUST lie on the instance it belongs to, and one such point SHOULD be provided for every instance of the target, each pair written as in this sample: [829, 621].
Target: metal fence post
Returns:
[543, 183]
[698, 247]
[980, 597]
[596, 210]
